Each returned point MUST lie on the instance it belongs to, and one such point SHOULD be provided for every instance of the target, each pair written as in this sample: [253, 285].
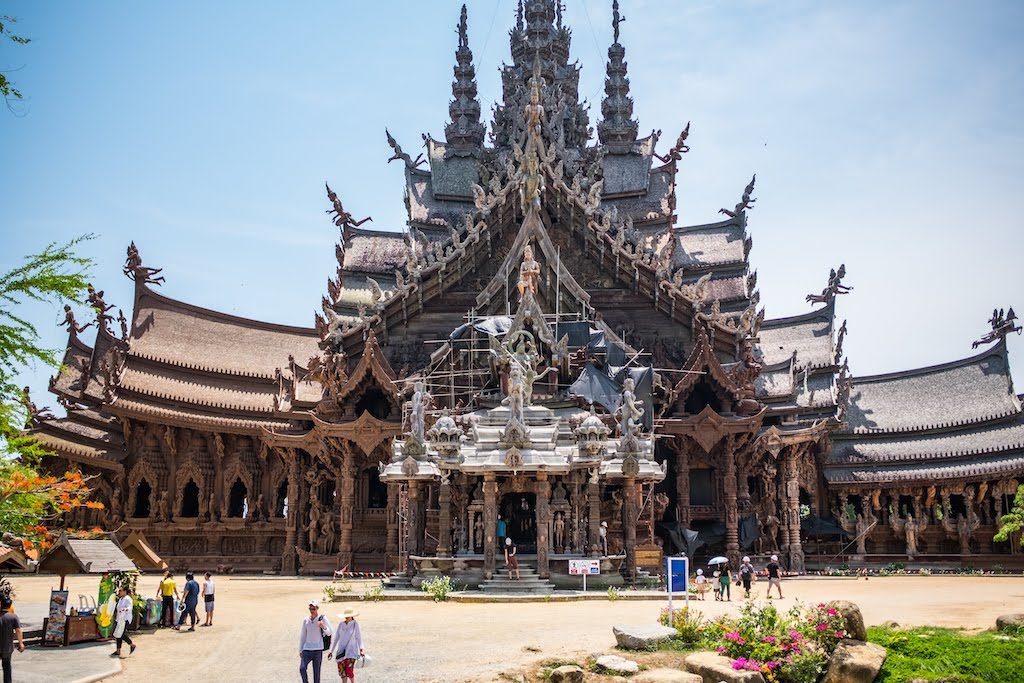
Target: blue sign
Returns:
[677, 576]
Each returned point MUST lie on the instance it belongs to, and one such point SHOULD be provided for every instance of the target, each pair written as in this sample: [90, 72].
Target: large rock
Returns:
[666, 676]
[854, 619]
[617, 664]
[1013, 620]
[714, 668]
[854, 662]
[644, 637]
[567, 674]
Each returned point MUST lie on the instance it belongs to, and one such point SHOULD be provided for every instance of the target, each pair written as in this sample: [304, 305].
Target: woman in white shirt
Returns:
[208, 598]
[122, 617]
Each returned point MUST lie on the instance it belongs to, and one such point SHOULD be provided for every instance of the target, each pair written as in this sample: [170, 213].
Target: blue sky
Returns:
[886, 135]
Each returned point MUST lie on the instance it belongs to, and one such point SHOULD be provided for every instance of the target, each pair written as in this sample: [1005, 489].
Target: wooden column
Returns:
[682, 484]
[490, 523]
[412, 525]
[543, 490]
[594, 515]
[289, 558]
[794, 551]
[629, 512]
[391, 543]
[346, 486]
[444, 533]
[732, 539]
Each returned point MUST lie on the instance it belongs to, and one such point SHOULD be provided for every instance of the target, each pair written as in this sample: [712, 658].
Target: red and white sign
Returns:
[584, 567]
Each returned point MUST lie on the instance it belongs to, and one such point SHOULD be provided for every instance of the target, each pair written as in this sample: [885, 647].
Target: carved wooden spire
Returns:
[465, 132]
[617, 129]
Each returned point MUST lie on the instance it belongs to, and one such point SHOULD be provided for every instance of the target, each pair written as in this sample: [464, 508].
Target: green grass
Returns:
[939, 654]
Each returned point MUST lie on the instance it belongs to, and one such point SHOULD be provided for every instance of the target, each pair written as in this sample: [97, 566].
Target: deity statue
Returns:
[745, 202]
[400, 155]
[314, 525]
[134, 269]
[478, 533]
[529, 273]
[630, 411]
[532, 184]
[327, 533]
[516, 399]
[417, 415]
[100, 306]
[559, 525]
[163, 509]
[342, 218]
[70, 323]
[534, 111]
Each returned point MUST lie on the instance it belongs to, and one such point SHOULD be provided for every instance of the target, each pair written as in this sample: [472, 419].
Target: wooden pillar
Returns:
[490, 523]
[543, 491]
[594, 515]
[795, 551]
[391, 542]
[412, 526]
[346, 486]
[289, 558]
[444, 533]
[682, 484]
[629, 512]
[732, 539]
[784, 502]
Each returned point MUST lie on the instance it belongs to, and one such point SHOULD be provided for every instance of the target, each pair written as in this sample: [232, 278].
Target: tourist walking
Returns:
[702, 584]
[167, 591]
[347, 645]
[774, 577]
[746, 575]
[10, 630]
[724, 579]
[190, 596]
[123, 617]
[511, 561]
[208, 598]
[314, 631]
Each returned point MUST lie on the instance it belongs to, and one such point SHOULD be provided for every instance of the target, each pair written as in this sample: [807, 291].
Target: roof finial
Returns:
[559, 6]
[463, 36]
[616, 18]
[519, 16]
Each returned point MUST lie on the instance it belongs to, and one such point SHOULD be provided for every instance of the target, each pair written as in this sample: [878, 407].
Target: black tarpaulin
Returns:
[748, 531]
[817, 526]
[594, 386]
[494, 326]
[579, 333]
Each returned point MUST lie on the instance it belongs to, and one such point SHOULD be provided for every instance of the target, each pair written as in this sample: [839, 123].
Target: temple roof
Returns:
[187, 336]
[426, 210]
[215, 391]
[451, 176]
[626, 174]
[709, 245]
[374, 251]
[967, 391]
[809, 335]
[652, 205]
[970, 467]
[82, 437]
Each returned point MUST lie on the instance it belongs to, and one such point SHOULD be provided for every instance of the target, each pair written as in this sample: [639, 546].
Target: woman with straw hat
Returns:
[347, 645]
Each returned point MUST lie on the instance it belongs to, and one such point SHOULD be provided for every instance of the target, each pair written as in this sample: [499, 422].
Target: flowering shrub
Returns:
[689, 623]
[790, 647]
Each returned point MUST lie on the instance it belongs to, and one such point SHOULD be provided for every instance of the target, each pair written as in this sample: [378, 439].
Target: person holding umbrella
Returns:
[723, 576]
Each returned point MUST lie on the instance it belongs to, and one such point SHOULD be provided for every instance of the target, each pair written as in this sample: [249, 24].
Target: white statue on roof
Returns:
[630, 411]
[417, 416]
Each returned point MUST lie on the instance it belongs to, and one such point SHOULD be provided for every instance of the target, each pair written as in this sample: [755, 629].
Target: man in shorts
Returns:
[774, 576]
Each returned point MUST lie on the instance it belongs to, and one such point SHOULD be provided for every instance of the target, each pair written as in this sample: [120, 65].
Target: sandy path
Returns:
[256, 633]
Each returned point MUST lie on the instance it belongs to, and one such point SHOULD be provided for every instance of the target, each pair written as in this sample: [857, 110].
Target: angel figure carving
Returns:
[529, 274]
[400, 155]
[681, 148]
[745, 202]
[342, 218]
[134, 269]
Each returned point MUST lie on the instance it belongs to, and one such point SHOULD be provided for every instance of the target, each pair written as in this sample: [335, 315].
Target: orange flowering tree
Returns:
[29, 501]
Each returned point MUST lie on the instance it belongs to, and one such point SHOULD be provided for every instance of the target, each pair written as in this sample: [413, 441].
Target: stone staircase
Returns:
[398, 582]
[529, 584]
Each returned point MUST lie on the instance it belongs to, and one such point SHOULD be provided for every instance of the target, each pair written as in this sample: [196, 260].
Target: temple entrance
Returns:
[519, 510]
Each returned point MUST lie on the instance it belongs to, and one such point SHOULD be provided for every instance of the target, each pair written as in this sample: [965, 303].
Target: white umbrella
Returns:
[718, 560]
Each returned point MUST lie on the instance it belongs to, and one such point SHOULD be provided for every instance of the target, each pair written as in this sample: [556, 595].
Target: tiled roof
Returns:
[183, 416]
[775, 383]
[651, 206]
[966, 391]
[451, 177]
[960, 468]
[998, 437]
[215, 391]
[424, 209]
[810, 335]
[715, 244]
[374, 252]
[628, 173]
[187, 336]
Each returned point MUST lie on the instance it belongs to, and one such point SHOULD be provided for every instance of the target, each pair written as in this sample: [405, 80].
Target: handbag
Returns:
[119, 629]
[363, 662]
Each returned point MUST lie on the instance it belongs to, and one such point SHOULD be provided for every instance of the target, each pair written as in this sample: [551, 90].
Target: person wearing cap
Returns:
[315, 628]
[347, 645]
[746, 574]
[774, 577]
[603, 533]
[511, 561]
[702, 584]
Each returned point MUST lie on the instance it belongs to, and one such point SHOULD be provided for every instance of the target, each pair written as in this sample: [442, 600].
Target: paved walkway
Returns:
[77, 663]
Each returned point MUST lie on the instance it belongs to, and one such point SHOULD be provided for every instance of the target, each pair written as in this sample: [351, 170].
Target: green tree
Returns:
[6, 88]
[56, 275]
[1013, 522]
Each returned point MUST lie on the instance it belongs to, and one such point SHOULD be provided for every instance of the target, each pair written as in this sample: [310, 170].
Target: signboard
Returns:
[55, 623]
[677, 579]
[677, 576]
[106, 605]
[584, 567]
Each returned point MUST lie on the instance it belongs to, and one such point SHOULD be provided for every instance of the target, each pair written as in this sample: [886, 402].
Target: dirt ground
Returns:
[255, 636]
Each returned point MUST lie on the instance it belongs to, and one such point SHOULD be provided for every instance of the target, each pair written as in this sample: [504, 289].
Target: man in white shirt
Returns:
[311, 641]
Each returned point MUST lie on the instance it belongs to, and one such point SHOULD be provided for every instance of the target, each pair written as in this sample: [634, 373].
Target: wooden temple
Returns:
[544, 342]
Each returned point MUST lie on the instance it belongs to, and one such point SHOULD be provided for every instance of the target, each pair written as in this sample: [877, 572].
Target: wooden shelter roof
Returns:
[84, 556]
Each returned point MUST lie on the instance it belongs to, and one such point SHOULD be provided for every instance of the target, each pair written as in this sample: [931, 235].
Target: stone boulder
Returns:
[617, 665]
[1013, 620]
[854, 619]
[714, 668]
[567, 673]
[666, 676]
[644, 637]
[854, 662]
